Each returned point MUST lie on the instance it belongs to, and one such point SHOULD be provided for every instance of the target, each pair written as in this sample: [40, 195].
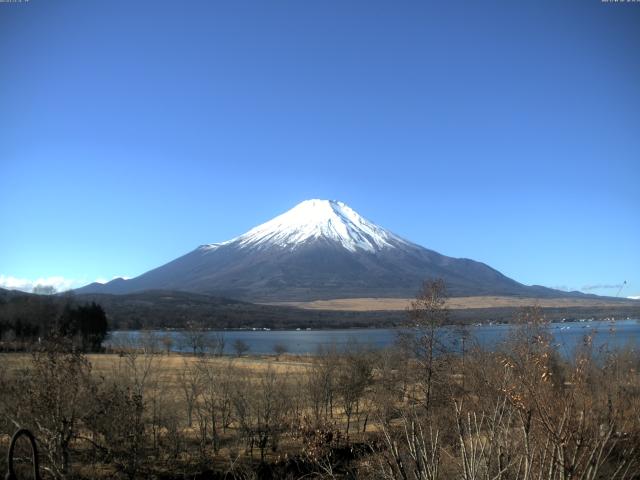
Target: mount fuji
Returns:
[320, 249]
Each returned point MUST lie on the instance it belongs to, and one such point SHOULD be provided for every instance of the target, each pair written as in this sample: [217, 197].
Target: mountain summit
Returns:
[314, 220]
[320, 249]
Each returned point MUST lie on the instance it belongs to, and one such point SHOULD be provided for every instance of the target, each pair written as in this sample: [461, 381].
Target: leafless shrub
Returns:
[214, 399]
[321, 384]
[118, 430]
[190, 387]
[280, 349]
[413, 450]
[50, 398]
[262, 410]
[354, 376]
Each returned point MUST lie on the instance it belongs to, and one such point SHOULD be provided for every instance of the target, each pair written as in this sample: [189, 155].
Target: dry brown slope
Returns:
[457, 303]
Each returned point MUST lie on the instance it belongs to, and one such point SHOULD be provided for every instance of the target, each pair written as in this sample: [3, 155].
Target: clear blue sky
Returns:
[507, 132]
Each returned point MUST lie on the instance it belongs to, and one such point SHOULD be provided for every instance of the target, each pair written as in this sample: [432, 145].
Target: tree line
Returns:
[26, 320]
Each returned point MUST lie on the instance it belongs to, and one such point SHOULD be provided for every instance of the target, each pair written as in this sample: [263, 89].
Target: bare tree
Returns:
[215, 395]
[136, 362]
[354, 375]
[194, 338]
[241, 347]
[217, 343]
[427, 313]
[262, 412]
[190, 385]
[391, 383]
[322, 383]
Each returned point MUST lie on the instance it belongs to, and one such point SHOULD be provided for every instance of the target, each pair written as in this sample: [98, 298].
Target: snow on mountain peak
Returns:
[320, 219]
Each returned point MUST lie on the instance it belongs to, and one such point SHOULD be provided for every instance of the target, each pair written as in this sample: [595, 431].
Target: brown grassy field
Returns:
[457, 303]
[335, 415]
[166, 381]
[169, 367]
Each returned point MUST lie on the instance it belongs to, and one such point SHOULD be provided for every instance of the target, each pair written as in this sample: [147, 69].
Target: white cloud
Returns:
[634, 297]
[105, 280]
[60, 283]
[26, 285]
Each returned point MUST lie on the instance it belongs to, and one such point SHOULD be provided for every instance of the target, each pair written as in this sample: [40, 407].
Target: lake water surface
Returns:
[606, 335]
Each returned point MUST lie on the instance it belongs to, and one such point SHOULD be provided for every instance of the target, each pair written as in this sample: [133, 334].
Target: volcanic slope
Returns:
[320, 249]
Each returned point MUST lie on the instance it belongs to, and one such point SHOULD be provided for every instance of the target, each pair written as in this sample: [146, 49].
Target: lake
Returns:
[606, 334]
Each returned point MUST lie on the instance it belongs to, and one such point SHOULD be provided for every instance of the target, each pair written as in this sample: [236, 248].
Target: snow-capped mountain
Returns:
[316, 219]
[320, 249]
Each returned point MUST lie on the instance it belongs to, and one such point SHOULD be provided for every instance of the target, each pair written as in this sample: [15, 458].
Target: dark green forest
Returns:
[29, 319]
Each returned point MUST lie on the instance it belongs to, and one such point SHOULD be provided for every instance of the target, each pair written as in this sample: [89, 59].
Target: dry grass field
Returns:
[335, 415]
[455, 303]
[167, 369]
[170, 382]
